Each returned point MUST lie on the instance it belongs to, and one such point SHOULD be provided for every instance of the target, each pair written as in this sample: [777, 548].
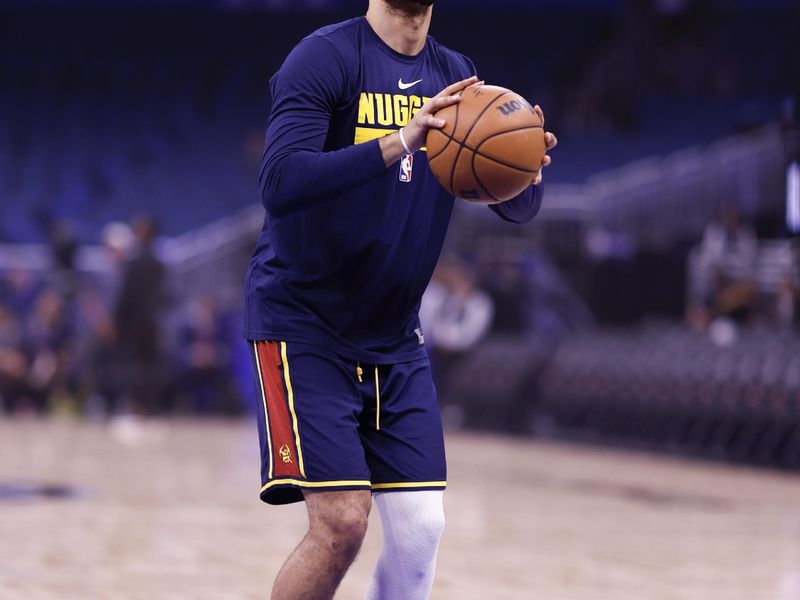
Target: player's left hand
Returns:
[550, 142]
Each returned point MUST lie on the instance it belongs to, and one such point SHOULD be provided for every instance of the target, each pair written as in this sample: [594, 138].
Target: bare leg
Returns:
[337, 523]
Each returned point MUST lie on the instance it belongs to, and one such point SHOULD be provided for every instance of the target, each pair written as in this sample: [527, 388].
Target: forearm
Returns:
[392, 149]
[303, 179]
[523, 208]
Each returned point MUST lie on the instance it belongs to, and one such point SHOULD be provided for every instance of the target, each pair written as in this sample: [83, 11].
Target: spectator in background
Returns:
[788, 304]
[61, 236]
[119, 241]
[14, 389]
[102, 372]
[64, 248]
[724, 275]
[531, 296]
[137, 322]
[48, 343]
[37, 337]
[18, 292]
[506, 285]
[455, 314]
[204, 360]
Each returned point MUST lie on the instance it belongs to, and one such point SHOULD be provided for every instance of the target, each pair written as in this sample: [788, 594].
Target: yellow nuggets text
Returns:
[388, 109]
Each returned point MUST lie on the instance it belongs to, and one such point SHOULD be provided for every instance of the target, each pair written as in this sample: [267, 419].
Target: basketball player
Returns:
[354, 226]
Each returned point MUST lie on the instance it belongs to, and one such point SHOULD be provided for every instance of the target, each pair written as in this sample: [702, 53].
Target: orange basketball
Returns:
[491, 148]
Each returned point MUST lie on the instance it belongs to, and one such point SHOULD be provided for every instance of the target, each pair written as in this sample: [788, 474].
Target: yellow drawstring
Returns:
[377, 401]
[360, 375]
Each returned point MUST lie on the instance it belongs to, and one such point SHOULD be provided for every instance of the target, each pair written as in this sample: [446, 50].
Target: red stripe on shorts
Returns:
[284, 454]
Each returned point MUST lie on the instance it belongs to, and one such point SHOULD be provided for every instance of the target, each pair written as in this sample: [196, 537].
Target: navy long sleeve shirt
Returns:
[349, 246]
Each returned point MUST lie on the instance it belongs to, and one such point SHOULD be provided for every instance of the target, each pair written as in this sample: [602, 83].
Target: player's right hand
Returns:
[417, 129]
[550, 142]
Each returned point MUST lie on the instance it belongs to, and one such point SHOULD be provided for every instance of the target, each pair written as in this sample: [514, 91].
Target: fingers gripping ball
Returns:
[491, 148]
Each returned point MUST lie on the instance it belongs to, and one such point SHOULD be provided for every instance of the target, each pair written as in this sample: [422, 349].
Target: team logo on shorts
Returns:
[286, 454]
[420, 336]
[406, 167]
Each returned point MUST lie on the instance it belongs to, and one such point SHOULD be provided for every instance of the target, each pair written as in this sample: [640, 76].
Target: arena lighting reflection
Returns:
[793, 198]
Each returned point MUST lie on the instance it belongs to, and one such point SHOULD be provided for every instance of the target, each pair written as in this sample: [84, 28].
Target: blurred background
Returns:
[653, 304]
[646, 319]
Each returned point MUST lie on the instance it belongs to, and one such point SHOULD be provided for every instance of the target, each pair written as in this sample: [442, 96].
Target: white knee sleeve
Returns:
[413, 523]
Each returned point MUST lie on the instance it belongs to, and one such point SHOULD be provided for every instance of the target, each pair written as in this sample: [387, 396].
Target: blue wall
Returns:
[360, 5]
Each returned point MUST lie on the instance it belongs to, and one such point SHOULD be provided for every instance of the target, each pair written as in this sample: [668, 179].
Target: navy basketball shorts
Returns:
[329, 423]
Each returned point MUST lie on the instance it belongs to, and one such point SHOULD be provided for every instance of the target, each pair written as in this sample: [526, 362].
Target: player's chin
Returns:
[410, 7]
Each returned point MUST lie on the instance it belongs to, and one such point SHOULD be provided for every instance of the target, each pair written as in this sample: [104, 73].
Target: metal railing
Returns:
[661, 199]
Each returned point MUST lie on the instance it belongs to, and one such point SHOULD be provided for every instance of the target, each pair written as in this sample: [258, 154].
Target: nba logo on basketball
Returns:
[406, 166]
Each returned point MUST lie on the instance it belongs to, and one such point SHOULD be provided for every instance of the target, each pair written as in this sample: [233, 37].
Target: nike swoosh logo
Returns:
[405, 86]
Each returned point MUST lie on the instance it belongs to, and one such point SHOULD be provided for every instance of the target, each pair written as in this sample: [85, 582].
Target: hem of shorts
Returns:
[287, 490]
[365, 356]
[409, 486]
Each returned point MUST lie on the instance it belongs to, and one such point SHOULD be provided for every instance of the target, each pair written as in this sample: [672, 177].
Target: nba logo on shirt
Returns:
[406, 166]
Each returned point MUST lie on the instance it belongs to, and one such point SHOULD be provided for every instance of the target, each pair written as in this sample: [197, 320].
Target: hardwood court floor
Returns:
[171, 512]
